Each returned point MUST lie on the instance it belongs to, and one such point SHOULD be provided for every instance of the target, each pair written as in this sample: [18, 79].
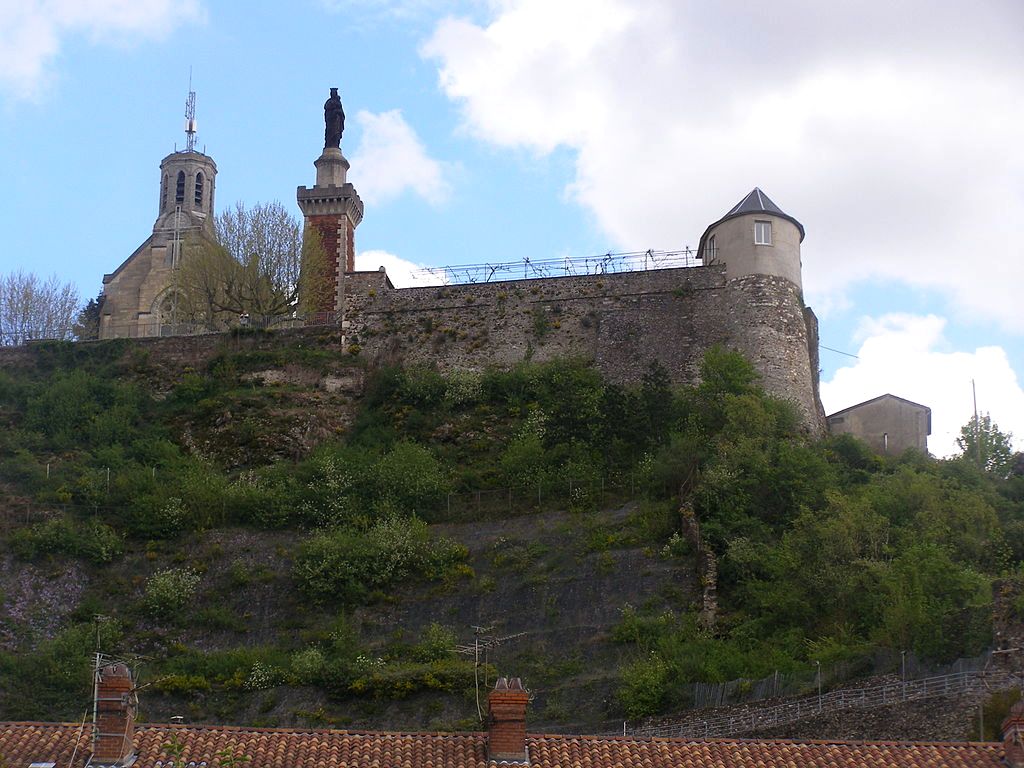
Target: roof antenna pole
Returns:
[190, 116]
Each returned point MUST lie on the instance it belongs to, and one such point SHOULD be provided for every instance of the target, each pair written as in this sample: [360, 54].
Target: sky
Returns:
[495, 130]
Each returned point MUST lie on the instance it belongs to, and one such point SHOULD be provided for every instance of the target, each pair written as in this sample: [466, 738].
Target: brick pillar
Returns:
[114, 736]
[506, 727]
[1013, 736]
[334, 208]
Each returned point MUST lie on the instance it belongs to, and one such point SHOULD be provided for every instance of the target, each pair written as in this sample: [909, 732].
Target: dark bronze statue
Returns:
[334, 117]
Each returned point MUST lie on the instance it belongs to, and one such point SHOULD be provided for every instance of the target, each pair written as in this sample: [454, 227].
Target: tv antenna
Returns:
[190, 116]
[483, 642]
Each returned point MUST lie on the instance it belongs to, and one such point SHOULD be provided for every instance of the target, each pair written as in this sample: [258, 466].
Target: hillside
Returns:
[285, 534]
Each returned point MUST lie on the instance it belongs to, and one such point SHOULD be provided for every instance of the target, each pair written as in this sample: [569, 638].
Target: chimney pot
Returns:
[1013, 736]
[501, 685]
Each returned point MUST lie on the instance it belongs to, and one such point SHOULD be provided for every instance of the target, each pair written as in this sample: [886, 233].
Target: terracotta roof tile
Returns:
[25, 743]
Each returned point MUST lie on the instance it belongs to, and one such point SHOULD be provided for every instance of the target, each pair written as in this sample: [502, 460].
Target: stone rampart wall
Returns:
[623, 321]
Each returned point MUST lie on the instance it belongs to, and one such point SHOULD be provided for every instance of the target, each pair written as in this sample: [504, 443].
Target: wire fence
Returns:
[777, 685]
[527, 268]
[107, 487]
[971, 682]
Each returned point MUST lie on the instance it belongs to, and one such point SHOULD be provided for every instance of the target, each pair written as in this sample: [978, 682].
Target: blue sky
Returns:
[490, 130]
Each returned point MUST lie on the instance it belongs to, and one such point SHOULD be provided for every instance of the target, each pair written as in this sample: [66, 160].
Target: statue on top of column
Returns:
[334, 118]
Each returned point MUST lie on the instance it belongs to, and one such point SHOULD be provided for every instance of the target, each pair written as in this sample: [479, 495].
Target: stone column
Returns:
[333, 207]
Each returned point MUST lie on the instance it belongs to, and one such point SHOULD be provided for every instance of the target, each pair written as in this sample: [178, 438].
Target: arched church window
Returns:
[163, 193]
[168, 315]
[179, 192]
[199, 189]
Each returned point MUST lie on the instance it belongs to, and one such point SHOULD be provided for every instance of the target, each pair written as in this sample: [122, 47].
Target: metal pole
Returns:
[818, 663]
[903, 672]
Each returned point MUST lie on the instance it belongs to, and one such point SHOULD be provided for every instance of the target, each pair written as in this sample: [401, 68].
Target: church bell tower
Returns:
[334, 209]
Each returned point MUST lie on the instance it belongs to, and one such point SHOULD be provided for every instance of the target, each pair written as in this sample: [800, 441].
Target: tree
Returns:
[260, 262]
[87, 323]
[33, 308]
[982, 442]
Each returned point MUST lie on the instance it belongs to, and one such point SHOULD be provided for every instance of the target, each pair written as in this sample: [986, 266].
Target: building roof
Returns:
[886, 396]
[68, 745]
[755, 202]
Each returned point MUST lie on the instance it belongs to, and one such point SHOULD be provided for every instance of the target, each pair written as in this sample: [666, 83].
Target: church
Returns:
[139, 297]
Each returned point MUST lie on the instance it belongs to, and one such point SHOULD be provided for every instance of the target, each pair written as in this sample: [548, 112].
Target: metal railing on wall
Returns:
[527, 268]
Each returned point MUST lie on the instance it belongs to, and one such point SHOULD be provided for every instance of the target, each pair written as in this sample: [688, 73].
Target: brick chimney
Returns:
[1013, 736]
[506, 726]
[114, 734]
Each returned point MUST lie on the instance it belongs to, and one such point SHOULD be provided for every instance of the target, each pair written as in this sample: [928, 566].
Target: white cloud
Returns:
[391, 160]
[32, 32]
[908, 356]
[403, 273]
[889, 130]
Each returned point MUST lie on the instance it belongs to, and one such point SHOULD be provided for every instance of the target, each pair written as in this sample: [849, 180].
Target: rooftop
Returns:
[755, 202]
[68, 745]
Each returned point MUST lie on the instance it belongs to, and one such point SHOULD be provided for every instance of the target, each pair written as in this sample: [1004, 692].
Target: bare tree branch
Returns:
[33, 308]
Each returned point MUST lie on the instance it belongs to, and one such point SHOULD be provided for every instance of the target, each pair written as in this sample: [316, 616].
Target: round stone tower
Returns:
[758, 247]
[755, 238]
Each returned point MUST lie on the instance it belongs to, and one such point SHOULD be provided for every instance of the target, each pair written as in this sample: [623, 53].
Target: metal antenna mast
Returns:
[190, 146]
[190, 116]
[483, 642]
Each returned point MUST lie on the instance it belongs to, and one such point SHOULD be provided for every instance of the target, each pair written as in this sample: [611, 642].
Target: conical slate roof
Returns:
[756, 201]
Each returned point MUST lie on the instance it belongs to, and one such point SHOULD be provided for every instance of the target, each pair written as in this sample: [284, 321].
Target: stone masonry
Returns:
[622, 321]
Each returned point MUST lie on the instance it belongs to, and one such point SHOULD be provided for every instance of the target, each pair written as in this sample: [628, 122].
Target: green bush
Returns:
[409, 479]
[346, 564]
[308, 666]
[645, 686]
[399, 680]
[170, 590]
[93, 540]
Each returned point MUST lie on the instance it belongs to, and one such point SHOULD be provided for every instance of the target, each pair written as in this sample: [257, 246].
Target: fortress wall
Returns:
[623, 321]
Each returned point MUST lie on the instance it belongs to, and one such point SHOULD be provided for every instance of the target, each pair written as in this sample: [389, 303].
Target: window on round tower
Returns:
[762, 233]
[199, 189]
[179, 191]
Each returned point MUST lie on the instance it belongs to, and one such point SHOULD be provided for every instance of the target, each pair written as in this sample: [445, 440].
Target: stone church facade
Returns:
[139, 297]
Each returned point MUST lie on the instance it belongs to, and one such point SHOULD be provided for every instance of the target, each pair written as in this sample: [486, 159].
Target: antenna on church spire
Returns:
[190, 116]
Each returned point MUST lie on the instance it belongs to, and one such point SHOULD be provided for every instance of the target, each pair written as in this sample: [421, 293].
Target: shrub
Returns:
[170, 590]
[308, 666]
[437, 643]
[396, 681]
[410, 478]
[345, 564]
[93, 540]
[644, 686]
